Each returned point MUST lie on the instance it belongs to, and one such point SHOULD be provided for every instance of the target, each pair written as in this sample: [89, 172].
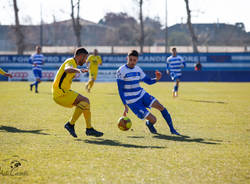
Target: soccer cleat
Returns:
[151, 127]
[31, 86]
[93, 132]
[36, 91]
[71, 129]
[174, 132]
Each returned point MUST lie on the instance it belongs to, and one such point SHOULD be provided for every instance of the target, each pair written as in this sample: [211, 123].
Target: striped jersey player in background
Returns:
[175, 63]
[136, 98]
[37, 60]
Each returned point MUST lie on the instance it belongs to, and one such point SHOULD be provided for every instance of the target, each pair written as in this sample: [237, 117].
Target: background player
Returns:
[94, 61]
[174, 65]
[135, 97]
[2, 72]
[37, 60]
[63, 95]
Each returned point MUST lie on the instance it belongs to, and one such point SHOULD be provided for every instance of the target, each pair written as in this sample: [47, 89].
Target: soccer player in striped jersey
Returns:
[2, 72]
[174, 65]
[37, 60]
[136, 98]
[64, 96]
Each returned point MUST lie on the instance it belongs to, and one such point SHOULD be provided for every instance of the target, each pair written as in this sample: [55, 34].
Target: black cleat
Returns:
[31, 86]
[71, 129]
[174, 132]
[93, 132]
[151, 127]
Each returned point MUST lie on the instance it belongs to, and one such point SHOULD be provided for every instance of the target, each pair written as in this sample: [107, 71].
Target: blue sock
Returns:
[168, 118]
[36, 85]
[175, 88]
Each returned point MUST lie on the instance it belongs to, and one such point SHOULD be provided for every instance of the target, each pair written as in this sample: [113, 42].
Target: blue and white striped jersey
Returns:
[37, 61]
[175, 64]
[128, 80]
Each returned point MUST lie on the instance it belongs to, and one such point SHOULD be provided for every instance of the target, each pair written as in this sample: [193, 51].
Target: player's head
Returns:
[95, 52]
[132, 58]
[174, 51]
[81, 55]
[38, 49]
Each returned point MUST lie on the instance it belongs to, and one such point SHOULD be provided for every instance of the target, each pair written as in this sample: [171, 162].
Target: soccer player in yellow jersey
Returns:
[2, 72]
[94, 61]
[63, 95]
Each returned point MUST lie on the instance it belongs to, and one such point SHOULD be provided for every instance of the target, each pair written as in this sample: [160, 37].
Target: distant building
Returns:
[93, 34]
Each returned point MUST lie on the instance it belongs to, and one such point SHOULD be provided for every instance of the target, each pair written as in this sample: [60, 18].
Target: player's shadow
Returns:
[17, 130]
[109, 142]
[182, 138]
[206, 101]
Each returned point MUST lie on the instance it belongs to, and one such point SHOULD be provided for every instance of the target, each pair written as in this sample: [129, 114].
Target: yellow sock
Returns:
[78, 111]
[88, 84]
[91, 83]
[87, 116]
[86, 112]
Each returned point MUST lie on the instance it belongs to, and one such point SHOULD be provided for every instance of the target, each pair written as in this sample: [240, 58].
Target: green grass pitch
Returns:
[213, 117]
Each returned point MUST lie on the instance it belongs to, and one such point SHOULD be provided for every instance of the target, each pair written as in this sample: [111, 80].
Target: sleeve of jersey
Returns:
[31, 60]
[148, 80]
[120, 84]
[2, 72]
[167, 65]
[183, 62]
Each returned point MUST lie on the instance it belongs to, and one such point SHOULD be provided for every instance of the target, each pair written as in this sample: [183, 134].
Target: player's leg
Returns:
[35, 75]
[38, 80]
[38, 76]
[83, 106]
[176, 87]
[92, 80]
[151, 120]
[156, 104]
[139, 108]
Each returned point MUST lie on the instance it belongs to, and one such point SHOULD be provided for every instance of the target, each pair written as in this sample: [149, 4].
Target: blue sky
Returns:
[203, 11]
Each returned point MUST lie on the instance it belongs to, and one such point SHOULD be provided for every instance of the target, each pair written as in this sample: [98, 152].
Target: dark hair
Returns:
[81, 50]
[133, 53]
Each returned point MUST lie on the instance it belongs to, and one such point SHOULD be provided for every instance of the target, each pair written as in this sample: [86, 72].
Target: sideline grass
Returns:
[214, 117]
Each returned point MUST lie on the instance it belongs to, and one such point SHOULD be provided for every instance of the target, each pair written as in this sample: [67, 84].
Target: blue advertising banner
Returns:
[144, 58]
[215, 66]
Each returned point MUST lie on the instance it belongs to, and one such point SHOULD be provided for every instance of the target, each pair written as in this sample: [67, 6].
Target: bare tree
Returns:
[142, 34]
[76, 22]
[190, 27]
[18, 31]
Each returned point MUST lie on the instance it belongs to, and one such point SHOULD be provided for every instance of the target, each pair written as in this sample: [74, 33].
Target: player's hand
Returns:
[167, 71]
[125, 110]
[8, 75]
[83, 70]
[158, 75]
[35, 64]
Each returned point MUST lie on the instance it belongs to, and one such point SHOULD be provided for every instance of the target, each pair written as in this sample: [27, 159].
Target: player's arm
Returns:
[120, 84]
[151, 81]
[75, 70]
[167, 68]
[2, 72]
[100, 61]
[183, 62]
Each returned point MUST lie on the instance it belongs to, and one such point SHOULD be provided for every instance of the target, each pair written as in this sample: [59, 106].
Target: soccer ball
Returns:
[124, 123]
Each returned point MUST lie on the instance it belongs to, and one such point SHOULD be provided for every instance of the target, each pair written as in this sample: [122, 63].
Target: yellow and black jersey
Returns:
[63, 80]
